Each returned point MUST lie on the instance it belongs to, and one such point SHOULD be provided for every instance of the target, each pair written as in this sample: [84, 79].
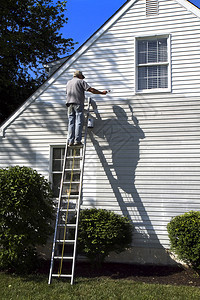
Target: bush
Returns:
[102, 231]
[26, 209]
[184, 235]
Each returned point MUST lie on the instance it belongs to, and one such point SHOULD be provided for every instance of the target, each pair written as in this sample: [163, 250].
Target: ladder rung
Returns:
[65, 241]
[62, 275]
[76, 157]
[67, 210]
[72, 197]
[73, 182]
[76, 146]
[74, 170]
[63, 257]
[68, 225]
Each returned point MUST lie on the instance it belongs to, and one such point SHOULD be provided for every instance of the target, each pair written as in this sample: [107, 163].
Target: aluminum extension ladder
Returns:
[67, 218]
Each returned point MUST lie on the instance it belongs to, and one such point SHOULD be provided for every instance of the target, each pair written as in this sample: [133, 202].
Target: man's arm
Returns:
[94, 91]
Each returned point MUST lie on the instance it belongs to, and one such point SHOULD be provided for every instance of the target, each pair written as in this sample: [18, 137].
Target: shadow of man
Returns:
[122, 138]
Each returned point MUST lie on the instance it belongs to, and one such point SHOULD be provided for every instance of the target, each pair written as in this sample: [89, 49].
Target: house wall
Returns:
[142, 156]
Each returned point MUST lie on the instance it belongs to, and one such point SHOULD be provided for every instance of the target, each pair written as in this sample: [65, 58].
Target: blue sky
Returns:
[86, 16]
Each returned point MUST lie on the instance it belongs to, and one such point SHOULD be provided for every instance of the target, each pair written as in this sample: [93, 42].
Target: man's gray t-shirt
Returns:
[75, 91]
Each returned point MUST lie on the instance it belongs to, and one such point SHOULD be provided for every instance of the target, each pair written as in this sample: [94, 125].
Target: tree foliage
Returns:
[26, 211]
[29, 37]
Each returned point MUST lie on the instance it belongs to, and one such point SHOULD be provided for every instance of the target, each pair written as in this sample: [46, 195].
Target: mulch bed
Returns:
[171, 275]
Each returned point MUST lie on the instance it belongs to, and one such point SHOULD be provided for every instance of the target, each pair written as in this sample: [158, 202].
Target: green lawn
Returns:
[36, 288]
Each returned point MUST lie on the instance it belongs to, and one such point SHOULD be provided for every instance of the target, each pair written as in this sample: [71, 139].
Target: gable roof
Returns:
[67, 63]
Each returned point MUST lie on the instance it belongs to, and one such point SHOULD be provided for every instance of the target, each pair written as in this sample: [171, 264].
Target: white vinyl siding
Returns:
[149, 170]
[146, 168]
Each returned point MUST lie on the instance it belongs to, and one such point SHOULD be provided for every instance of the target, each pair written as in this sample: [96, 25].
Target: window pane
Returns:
[58, 158]
[152, 77]
[56, 153]
[162, 77]
[152, 51]
[142, 78]
[142, 52]
[73, 189]
[69, 164]
[56, 184]
[57, 165]
[68, 177]
[162, 71]
[162, 50]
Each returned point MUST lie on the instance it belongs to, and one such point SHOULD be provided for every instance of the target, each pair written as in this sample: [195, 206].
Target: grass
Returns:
[36, 288]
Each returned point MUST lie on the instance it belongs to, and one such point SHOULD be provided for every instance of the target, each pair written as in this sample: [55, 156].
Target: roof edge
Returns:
[190, 7]
[96, 35]
[16, 113]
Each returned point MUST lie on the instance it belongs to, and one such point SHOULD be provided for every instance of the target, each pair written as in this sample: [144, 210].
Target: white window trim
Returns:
[51, 163]
[151, 91]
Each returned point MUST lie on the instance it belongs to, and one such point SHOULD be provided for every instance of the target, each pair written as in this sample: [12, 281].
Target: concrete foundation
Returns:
[134, 255]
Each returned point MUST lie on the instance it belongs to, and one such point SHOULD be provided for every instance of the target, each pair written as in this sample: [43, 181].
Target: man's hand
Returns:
[94, 91]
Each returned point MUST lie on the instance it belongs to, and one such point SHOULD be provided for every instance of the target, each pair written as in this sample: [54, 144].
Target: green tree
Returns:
[26, 211]
[29, 37]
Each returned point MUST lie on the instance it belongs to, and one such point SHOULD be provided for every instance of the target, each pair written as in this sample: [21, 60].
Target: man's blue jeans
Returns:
[75, 125]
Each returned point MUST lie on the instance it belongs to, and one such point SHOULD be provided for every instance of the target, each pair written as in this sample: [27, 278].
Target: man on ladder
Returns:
[68, 204]
[75, 91]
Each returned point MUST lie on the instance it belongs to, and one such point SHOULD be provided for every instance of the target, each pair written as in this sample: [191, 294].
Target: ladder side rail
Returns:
[58, 211]
[66, 218]
[80, 190]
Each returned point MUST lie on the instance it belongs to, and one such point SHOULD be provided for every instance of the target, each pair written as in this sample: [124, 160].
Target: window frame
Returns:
[52, 147]
[77, 168]
[168, 64]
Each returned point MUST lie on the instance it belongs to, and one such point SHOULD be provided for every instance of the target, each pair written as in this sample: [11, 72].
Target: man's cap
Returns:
[78, 73]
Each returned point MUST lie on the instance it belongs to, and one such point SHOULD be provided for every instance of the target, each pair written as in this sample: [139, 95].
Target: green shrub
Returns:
[184, 235]
[26, 209]
[102, 231]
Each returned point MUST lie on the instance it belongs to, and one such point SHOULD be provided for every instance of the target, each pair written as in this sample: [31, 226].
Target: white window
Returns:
[57, 159]
[152, 64]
